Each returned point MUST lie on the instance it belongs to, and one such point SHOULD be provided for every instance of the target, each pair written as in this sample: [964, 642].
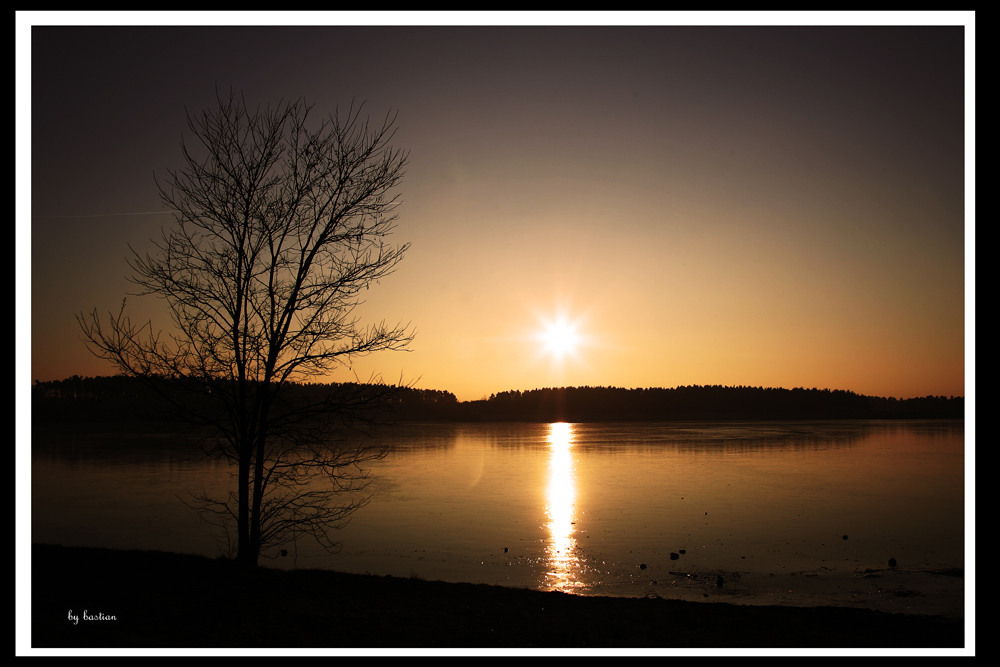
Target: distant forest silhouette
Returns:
[119, 398]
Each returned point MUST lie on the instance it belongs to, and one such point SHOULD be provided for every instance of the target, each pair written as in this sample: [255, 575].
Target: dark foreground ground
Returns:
[164, 600]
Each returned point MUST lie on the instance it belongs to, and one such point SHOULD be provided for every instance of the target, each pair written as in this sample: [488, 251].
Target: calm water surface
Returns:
[795, 513]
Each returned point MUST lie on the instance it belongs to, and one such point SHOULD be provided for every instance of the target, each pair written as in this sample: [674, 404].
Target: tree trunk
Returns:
[258, 493]
[245, 552]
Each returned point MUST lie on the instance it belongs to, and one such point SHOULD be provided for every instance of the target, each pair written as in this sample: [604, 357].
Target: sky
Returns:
[737, 204]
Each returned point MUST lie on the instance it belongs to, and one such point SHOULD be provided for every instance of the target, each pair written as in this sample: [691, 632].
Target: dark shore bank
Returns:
[165, 600]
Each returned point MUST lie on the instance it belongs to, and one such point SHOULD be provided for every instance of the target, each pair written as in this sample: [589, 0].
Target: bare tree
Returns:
[280, 224]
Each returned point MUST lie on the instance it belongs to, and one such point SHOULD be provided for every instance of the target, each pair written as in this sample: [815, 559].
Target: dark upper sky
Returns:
[778, 206]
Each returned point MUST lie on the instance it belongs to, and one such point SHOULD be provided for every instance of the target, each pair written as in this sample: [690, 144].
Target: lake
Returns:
[793, 513]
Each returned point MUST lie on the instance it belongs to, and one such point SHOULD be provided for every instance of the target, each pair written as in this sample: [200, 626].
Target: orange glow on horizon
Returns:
[728, 224]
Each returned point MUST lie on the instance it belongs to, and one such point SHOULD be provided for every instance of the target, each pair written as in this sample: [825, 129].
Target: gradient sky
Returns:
[766, 206]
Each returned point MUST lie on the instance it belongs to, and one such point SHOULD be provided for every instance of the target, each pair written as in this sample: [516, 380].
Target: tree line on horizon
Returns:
[117, 398]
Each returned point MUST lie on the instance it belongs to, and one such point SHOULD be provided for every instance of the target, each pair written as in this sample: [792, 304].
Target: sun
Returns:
[560, 338]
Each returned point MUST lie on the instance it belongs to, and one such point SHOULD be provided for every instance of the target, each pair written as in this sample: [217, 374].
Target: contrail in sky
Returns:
[105, 215]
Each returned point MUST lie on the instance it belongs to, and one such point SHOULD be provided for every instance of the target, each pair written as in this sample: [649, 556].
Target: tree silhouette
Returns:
[280, 224]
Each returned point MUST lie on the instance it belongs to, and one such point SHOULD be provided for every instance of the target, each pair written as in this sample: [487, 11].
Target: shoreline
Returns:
[161, 600]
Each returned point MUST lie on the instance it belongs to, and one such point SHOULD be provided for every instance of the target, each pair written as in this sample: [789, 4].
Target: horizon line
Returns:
[551, 388]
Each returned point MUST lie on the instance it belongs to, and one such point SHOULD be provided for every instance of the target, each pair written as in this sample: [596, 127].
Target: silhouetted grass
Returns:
[165, 600]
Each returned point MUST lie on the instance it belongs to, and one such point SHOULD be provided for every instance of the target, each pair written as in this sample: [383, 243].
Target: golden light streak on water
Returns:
[561, 556]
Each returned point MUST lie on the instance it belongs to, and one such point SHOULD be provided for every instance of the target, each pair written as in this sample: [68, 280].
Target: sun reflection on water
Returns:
[561, 554]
